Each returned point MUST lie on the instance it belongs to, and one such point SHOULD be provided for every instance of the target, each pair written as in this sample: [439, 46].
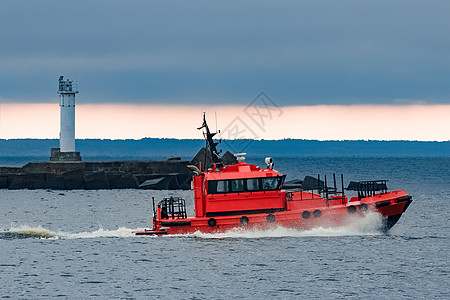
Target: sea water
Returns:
[79, 244]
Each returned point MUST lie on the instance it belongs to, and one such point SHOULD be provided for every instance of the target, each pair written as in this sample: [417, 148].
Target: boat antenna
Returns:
[209, 141]
[215, 115]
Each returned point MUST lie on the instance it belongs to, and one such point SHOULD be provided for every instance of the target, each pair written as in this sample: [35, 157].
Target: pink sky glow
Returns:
[321, 122]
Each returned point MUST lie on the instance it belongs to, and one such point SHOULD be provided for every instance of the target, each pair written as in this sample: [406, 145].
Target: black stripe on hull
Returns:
[383, 203]
[405, 198]
[243, 212]
[176, 223]
[150, 232]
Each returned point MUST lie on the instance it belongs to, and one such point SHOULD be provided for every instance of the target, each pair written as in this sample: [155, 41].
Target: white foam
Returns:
[120, 232]
[32, 231]
[39, 232]
[368, 224]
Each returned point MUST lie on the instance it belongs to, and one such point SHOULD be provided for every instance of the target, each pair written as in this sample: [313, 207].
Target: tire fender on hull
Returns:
[351, 209]
[317, 213]
[306, 214]
[243, 220]
[212, 222]
[270, 218]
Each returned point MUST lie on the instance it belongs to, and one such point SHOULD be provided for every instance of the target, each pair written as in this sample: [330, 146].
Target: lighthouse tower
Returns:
[66, 150]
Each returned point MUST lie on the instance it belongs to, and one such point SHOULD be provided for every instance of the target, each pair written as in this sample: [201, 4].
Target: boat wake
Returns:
[24, 232]
[369, 224]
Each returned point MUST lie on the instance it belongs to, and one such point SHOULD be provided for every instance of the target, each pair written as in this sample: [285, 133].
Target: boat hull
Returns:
[306, 215]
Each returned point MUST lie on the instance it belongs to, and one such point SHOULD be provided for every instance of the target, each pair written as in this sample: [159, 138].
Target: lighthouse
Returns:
[66, 150]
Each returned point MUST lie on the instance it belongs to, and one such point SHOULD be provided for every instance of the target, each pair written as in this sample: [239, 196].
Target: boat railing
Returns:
[325, 191]
[369, 188]
[173, 208]
[333, 193]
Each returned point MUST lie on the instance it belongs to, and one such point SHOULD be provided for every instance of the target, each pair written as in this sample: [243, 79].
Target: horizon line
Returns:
[256, 140]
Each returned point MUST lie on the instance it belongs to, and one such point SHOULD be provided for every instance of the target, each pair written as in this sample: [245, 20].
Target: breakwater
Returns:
[169, 174]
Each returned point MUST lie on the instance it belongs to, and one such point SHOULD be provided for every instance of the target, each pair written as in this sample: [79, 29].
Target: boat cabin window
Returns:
[253, 184]
[222, 186]
[245, 185]
[237, 185]
[270, 183]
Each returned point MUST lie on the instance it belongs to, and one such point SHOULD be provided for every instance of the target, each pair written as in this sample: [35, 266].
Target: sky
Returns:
[315, 122]
[324, 53]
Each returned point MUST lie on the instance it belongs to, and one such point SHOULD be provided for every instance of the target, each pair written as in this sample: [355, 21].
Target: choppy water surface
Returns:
[78, 244]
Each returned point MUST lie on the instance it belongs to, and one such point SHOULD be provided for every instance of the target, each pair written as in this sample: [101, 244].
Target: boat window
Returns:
[281, 182]
[212, 186]
[253, 184]
[270, 183]
[237, 185]
[245, 185]
[222, 186]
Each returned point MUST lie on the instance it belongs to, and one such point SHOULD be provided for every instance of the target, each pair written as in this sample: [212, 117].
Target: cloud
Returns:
[330, 52]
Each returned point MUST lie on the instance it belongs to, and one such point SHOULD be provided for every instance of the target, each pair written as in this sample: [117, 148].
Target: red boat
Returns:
[244, 195]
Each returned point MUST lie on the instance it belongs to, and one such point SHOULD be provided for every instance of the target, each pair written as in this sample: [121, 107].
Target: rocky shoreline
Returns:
[171, 174]
[96, 175]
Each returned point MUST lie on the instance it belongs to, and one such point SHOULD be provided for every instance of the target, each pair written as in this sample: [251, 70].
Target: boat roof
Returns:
[238, 171]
